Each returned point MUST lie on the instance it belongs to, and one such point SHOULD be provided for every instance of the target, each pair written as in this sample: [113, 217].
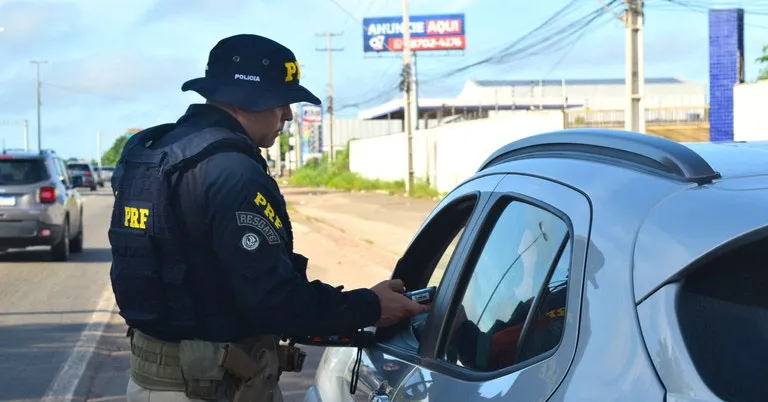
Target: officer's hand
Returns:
[394, 306]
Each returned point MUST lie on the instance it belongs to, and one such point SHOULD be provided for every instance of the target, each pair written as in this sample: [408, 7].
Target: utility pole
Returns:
[98, 149]
[297, 138]
[635, 66]
[407, 117]
[26, 135]
[38, 63]
[24, 123]
[329, 48]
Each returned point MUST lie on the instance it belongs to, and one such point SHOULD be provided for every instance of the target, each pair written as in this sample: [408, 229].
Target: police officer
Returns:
[203, 269]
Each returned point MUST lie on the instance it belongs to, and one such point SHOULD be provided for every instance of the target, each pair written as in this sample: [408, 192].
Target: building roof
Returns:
[395, 106]
[587, 81]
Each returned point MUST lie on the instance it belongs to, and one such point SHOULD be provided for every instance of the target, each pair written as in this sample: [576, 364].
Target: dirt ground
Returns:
[351, 239]
[366, 231]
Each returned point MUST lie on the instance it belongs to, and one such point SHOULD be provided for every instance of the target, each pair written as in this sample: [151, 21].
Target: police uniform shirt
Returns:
[241, 262]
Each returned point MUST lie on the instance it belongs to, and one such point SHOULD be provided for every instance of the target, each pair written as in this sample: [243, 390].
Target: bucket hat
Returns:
[253, 73]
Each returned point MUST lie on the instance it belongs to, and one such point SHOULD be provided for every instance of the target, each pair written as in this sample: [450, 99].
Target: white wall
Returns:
[597, 96]
[347, 129]
[750, 121]
[448, 154]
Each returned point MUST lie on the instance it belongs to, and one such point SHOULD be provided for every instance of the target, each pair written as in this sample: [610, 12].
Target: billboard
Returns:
[428, 32]
[311, 129]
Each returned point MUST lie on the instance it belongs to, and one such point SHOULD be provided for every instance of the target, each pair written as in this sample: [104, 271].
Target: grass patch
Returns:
[336, 175]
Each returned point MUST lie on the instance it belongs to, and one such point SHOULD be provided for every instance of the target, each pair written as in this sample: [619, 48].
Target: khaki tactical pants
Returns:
[206, 371]
[135, 393]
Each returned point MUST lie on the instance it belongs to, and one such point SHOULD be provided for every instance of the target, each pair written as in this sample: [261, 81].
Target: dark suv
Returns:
[84, 175]
[38, 204]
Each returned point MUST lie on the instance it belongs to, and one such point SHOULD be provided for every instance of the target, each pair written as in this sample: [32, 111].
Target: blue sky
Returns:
[119, 64]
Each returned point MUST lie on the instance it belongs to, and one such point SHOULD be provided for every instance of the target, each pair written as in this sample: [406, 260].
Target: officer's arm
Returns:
[248, 238]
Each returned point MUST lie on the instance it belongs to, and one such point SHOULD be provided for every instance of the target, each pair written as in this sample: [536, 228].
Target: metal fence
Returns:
[662, 116]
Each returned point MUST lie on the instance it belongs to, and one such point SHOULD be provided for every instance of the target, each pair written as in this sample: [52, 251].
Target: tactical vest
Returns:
[148, 269]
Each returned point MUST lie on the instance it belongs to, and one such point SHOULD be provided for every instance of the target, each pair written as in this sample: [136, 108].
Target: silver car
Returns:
[582, 265]
[38, 204]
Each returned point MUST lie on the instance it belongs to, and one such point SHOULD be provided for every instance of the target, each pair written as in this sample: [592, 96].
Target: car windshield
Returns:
[22, 171]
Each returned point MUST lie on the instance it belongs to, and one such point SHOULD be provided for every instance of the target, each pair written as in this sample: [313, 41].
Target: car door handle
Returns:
[380, 394]
[377, 397]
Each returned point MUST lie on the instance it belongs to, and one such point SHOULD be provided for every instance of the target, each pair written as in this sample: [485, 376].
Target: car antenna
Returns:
[543, 233]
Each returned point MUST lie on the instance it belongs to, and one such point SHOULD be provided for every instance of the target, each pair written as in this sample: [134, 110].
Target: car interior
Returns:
[424, 264]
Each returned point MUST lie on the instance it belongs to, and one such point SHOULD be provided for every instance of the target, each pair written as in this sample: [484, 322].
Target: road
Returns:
[62, 339]
[45, 306]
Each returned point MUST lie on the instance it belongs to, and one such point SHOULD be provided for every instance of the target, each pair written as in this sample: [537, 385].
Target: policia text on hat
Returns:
[203, 268]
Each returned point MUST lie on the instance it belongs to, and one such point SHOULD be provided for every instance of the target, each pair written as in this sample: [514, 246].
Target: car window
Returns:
[430, 252]
[78, 167]
[62, 170]
[442, 263]
[22, 171]
[519, 256]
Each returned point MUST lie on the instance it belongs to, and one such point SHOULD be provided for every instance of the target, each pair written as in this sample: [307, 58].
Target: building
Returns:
[665, 99]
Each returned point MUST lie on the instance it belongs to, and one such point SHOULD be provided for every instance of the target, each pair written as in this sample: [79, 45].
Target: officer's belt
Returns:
[157, 365]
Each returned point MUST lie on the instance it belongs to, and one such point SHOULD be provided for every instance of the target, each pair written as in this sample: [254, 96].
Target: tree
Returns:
[284, 146]
[763, 75]
[112, 155]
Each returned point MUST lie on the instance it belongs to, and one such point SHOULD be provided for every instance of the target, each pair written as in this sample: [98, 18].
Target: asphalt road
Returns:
[61, 338]
[45, 306]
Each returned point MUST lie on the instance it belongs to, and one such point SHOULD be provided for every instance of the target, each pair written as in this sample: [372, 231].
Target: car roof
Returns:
[657, 198]
[20, 153]
[734, 159]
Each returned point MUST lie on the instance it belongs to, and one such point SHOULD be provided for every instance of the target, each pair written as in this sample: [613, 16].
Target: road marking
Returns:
[64, 386]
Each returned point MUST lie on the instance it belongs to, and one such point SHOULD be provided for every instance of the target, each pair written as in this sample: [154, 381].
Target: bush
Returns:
[322, 173]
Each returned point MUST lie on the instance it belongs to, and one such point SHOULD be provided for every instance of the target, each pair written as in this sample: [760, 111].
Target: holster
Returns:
[291, 358]
[246, 371]
[255, 367]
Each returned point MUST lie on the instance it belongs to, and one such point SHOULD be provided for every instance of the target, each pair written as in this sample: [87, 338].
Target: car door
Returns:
[510, 330]
[438, 242]
[72, 201]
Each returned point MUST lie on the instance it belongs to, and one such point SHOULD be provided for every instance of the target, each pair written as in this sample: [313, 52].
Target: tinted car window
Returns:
[442, 263]
[548, 324]
[514, 264]
[78, 167]
[22, 171]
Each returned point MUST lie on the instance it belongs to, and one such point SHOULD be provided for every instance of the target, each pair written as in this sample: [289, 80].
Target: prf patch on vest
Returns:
[138, 215]
[269, 212]
[259, 223]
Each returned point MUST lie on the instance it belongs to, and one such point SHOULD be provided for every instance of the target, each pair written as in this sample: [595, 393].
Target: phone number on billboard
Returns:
[434, 43]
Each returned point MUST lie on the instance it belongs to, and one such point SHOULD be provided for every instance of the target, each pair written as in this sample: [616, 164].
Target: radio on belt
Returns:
[422, 296]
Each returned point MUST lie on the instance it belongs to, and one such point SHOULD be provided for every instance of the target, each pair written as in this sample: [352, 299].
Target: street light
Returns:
[37, 63]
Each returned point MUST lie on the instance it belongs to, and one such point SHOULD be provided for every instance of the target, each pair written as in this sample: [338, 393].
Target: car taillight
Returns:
[47, 194]
[87, 172]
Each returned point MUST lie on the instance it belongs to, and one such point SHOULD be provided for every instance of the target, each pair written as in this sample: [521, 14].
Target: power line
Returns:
[702, 8]
[84, 91]
[541, 40]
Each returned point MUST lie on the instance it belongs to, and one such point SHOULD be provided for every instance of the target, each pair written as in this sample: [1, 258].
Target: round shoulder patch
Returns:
[250, 241]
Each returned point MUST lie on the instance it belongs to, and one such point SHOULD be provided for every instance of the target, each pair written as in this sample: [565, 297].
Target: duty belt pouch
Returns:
[200, 366]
